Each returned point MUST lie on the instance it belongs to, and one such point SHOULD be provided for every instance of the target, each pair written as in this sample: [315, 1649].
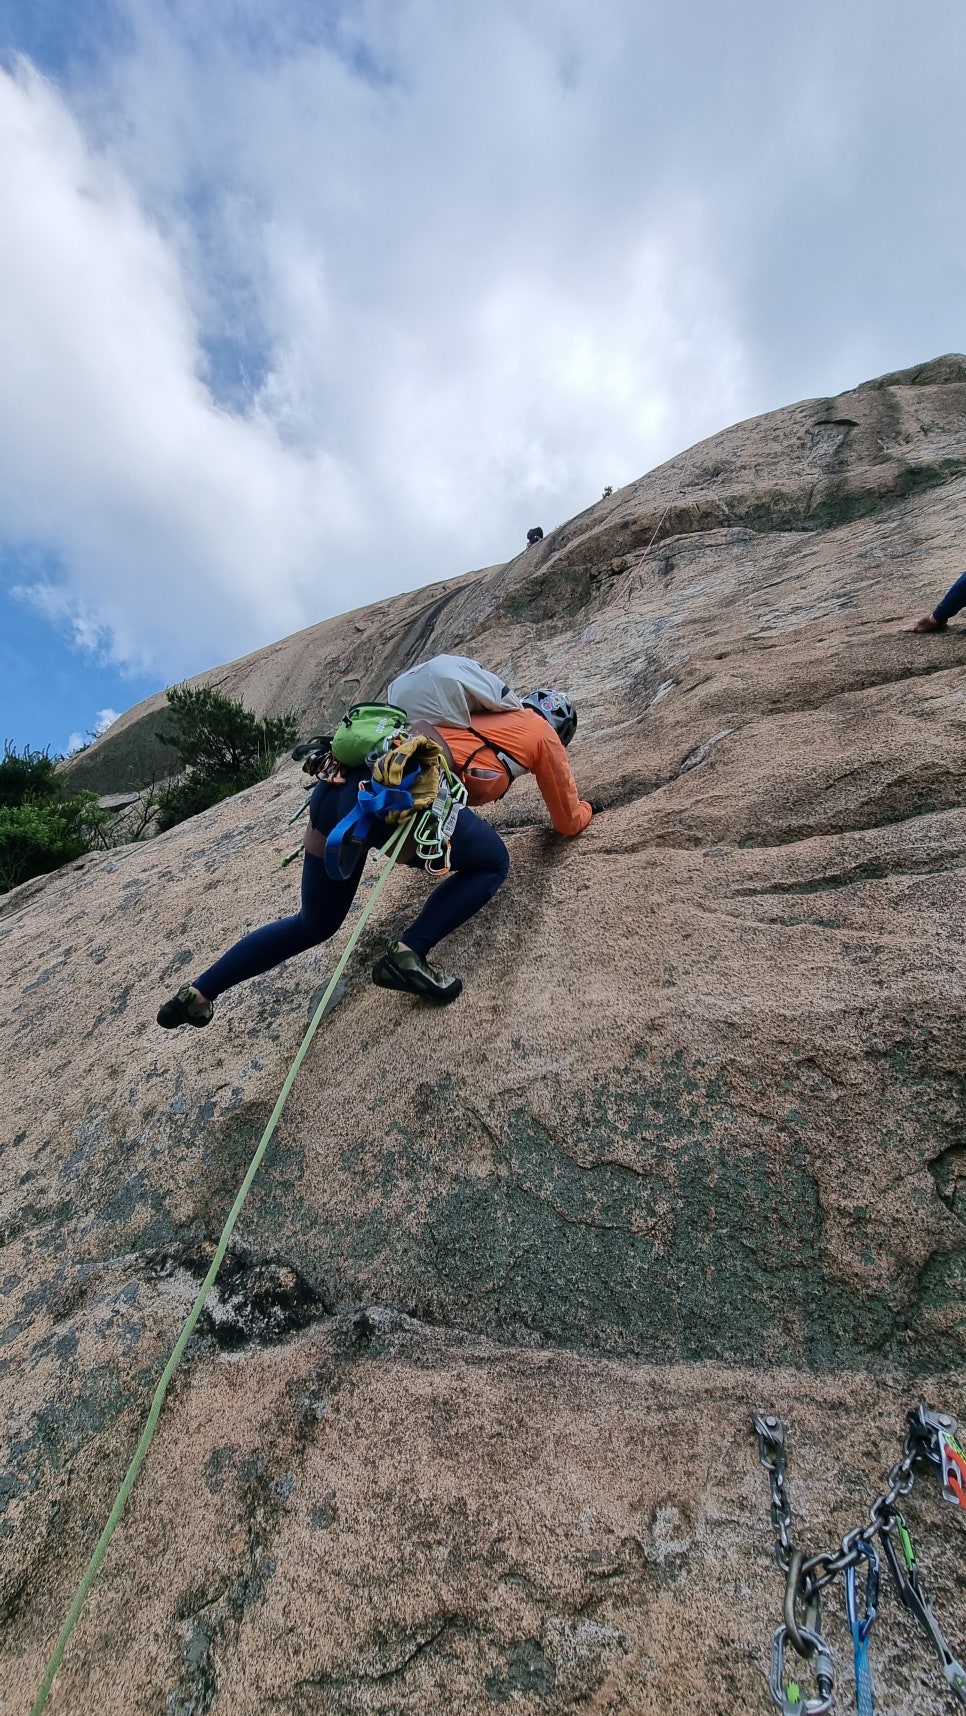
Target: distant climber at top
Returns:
[954, 599]
[491, 737]
[534, 535]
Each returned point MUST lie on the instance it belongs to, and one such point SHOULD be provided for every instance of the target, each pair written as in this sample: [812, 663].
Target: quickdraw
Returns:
[908, 1584]
[433, 833]
[860, 1626]
[930, 1436]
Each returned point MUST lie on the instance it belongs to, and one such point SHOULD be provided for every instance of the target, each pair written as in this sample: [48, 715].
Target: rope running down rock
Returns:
[391, 851]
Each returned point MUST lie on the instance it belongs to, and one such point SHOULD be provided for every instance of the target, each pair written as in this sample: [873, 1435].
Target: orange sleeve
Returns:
[534, 744]
[569, 813]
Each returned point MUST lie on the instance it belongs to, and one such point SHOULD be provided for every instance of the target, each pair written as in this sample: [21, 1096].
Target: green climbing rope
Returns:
[391, 851]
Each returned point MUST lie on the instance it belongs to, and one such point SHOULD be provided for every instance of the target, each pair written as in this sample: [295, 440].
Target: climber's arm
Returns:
[569, 813]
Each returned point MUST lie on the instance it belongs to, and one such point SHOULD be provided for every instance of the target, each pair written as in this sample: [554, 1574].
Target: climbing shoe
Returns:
[400, 969]
[185, 1008]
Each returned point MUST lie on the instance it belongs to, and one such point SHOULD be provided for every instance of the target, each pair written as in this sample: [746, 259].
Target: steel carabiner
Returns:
[789, 1698]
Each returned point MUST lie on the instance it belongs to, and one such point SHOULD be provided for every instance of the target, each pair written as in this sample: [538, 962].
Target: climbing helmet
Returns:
[555, 707]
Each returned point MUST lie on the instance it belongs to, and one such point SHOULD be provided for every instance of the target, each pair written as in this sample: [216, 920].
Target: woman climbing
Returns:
[478, 863]
[529, 737]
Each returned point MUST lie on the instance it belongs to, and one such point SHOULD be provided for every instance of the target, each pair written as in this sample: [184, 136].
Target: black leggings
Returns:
[480, 863]
[954, 599]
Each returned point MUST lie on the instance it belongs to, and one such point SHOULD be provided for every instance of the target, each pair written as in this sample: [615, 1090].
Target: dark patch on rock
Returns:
[325, 1514]
[339, 994]
[217, 1466]
[527, 1671]
[199, 1687]
[671, 1190]
[62, 1426]
[254, 1302]
[389, 1657]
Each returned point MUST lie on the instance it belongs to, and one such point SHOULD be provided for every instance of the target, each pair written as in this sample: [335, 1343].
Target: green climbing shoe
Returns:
[185, 1008]
[400, 969]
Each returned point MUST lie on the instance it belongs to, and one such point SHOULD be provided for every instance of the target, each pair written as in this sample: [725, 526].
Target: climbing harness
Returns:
[930, 1437]
[347, 844]
[391, 852]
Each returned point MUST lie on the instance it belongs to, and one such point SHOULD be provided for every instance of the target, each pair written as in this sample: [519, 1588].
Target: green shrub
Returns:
[40, 829]
[223, 748]
[38, 836]
[26, 775]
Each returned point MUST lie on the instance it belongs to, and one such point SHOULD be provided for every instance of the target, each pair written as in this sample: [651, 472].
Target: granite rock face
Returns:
[467, 1422]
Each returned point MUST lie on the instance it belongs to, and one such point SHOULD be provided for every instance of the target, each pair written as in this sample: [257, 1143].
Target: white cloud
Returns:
[307, 304]
[103, 719]
[171, 518]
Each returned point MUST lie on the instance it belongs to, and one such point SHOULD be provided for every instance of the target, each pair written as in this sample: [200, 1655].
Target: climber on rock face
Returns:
[954, 599]
[487, 756]
[490, 755]
[479, 864]
[490, 746]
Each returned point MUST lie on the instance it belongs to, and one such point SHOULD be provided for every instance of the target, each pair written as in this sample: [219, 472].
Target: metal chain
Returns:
[771, 1450]
[819, 1570]
[930, 1436]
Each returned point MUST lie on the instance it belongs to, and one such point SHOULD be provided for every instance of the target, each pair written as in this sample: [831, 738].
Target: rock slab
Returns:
[467, 1422]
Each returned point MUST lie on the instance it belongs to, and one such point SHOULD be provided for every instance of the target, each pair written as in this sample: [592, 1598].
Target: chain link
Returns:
[819, 1570]
[771, 1447]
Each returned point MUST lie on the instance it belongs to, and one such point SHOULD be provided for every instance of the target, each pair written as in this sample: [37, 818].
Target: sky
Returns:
[306, 302]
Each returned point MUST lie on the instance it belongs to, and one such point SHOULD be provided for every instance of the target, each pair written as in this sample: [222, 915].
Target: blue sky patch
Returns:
[48, 688]
[59, 36]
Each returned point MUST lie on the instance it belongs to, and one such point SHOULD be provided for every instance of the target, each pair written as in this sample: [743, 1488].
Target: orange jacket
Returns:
[531, 741]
